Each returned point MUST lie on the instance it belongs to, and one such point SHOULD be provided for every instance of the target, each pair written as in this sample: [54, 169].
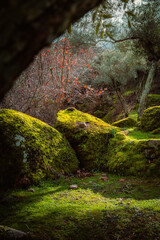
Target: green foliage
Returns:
[31, 149]
[146, 28]
[119, 67]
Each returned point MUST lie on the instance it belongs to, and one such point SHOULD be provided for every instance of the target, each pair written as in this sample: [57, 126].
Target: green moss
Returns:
[88, 135]
[99, 113]
[153, 100]
[156, 131]
[126, 94]
[150, 119]
[139, 158]
[32, 149]
[97, 210]
[126, 122]
[108, 117]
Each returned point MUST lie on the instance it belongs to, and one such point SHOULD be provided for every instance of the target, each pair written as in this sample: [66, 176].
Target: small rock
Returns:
[90, 181]
[31, 190]
[82, 124]
[74, 186]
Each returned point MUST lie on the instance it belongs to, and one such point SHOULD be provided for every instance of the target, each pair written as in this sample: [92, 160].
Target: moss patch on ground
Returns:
[104, 207]
[88, 135]
[31, 150]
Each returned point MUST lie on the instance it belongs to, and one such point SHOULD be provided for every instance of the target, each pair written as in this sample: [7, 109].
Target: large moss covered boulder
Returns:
[138, 158]
[31, 149]
[88, 135]
[126, 122]
[150, 119]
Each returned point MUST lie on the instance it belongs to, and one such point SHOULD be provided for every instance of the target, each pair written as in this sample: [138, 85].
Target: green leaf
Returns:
[69, 29]
[130, 13]
[125, 1]
[97, 28]
[108, 25]
[94, 16]
[102, 34]
[129, 23]
[107, 16]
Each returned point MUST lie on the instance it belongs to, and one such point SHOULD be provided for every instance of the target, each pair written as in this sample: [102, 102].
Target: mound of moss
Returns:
[153, 100]
[150, 119]
[138, 158]
[31, 149]
[88, 135]
[126, 122]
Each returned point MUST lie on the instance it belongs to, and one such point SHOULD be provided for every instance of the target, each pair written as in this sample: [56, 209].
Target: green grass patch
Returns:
[134, 134]
[103, 207]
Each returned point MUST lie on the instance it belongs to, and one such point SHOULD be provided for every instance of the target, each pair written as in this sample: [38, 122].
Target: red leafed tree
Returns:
[53, 81]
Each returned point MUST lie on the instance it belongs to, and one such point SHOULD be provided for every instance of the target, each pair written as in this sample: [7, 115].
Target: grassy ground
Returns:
[103, 207]
[136, 135]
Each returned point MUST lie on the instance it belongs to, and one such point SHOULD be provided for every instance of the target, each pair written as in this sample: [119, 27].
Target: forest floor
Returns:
[103, 206]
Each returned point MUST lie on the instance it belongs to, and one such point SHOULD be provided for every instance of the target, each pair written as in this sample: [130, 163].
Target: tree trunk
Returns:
[27, 26]
[146, 90]
[121, 98]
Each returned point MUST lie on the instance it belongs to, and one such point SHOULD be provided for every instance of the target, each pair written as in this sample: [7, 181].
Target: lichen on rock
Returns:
[88, 135]
[32, 149]
[150, 119]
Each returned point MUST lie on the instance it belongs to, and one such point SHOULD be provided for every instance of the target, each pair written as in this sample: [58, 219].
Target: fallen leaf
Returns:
[83, 183]
[121, 180]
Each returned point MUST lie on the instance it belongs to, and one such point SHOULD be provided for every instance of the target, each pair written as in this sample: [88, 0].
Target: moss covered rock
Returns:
[153, 100]
[126, 122]
[88, 135]
[150, 119]
[139, 158]
[32, 149]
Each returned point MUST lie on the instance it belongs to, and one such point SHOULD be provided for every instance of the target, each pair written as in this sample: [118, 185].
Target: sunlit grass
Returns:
[56, 212]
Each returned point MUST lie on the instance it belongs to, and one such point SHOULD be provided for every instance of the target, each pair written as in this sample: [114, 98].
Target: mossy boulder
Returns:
[150, 119]
[32, 149]
[153, 100]
[88, 135]
[126, 122]
[138, 158]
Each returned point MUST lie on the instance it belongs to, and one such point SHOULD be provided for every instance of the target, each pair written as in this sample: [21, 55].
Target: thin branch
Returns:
[124, 39]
